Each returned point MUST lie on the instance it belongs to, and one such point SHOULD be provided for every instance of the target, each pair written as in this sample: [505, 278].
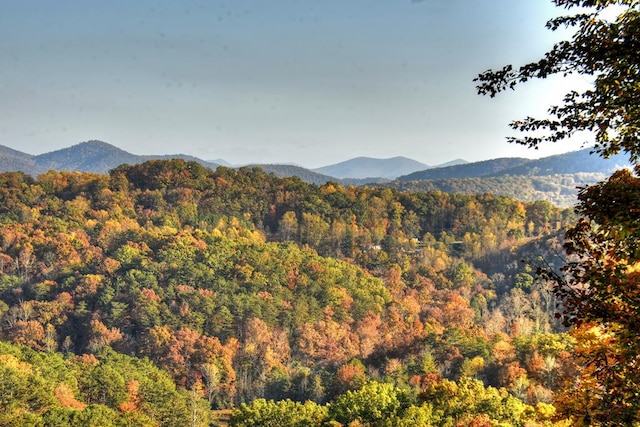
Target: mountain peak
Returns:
[89, 156]
[367, 167]
[94, 145]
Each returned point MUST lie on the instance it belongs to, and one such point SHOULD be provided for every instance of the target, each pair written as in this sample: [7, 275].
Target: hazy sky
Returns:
[311, 82]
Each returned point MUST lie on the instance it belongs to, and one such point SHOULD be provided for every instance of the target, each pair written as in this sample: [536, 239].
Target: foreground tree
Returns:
[284, 413]
[600, 285]
[605, 51]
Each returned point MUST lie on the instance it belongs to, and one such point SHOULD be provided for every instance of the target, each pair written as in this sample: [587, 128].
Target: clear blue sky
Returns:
[311, 82]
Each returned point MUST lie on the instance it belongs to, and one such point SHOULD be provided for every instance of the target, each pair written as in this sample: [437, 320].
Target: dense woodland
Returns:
[161, 291]
[168, 294]
[559, 189]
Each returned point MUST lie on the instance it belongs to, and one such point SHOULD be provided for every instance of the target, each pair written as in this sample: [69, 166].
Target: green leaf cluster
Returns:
[39, 389]
[445, 403]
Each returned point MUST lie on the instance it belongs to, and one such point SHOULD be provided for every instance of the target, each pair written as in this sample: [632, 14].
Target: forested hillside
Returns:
[239, 289]
[560, 190]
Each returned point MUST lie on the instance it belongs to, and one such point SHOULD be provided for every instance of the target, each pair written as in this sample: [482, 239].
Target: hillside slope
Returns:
[13, 160]
[367, 167]
[90, 156]
[580, 161]
[468, 170]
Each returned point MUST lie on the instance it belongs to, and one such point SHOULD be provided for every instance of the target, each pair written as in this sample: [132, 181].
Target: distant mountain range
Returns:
[467, 170]
[90, 156]
[100, 157]
[553, 178]
[568, 163]
[367, 168]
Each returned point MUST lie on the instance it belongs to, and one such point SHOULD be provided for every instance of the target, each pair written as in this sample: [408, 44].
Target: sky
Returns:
[309, 82]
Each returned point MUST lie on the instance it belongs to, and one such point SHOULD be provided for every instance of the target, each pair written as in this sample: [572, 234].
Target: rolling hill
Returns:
[467, 170]
[580, 161]
[12, 160]
[306, 175]
[367, 167]
[554, 178]
[90, 156]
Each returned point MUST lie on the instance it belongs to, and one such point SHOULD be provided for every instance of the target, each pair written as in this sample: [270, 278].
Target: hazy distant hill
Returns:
[305, 175]
[559, 189]
[367, 167]
[554, 178]
[13, 160]
[455, 162]
[90, 156]
[580, 161]
[221, 162]
[467, 170]
[6, 152]
[569, 163]
[100, 157]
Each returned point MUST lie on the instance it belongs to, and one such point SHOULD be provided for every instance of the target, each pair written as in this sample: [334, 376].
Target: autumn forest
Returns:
[169, 294]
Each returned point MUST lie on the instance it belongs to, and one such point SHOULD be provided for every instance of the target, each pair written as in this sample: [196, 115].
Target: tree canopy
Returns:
[599, 285]
[242, 286]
